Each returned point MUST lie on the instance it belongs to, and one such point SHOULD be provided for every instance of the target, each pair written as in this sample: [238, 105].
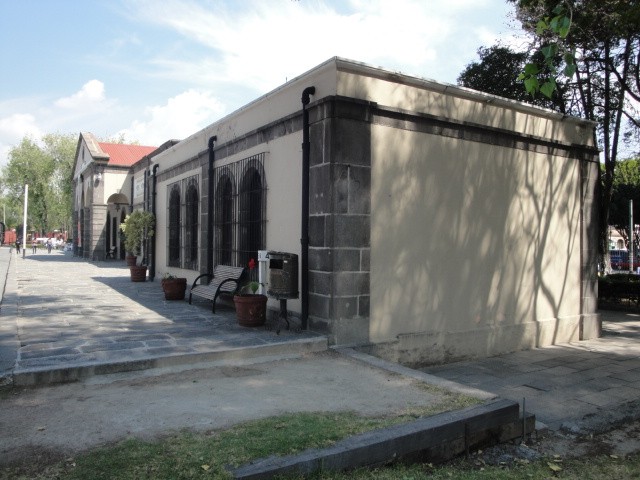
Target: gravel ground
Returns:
[592, 436]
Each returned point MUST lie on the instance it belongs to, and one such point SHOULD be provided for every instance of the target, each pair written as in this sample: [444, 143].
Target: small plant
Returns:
[253, 285]
[168, 276]
[137, 228]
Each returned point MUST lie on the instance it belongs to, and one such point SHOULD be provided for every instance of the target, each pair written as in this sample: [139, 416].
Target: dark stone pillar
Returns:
[339, 224]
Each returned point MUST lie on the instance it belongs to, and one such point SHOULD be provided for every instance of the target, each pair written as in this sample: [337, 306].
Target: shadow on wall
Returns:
[471, 237]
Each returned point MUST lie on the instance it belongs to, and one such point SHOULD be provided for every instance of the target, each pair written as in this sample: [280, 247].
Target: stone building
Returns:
[104, 194]
[432, 222]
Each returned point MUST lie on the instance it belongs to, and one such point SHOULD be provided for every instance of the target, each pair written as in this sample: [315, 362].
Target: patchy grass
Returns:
[592, 468]
[205, 455]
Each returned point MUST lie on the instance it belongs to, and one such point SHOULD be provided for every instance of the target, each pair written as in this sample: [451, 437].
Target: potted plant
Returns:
[251, 307]
[137, 227]
[173, 287]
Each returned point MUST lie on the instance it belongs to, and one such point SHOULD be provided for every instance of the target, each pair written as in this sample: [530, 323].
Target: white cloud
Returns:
[259, 46]
[68, 114]
[180, 117]
[19, 125]
[88, 96]
[13, 129]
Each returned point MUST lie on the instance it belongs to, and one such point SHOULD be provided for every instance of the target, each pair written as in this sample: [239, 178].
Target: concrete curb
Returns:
[434, 438]
[44, 376]
[421, 376]
[9, 343]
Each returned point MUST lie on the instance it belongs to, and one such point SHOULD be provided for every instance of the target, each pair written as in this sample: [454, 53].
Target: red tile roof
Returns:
[124, 155]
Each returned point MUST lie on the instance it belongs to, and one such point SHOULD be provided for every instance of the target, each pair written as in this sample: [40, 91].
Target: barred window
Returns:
[240, 211]
[192, 214]
[183, 224]
[250, 223]
[224, 221]
[174, 226]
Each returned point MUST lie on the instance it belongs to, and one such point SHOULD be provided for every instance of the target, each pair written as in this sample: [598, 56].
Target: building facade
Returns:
[432, 222]
[104, 193]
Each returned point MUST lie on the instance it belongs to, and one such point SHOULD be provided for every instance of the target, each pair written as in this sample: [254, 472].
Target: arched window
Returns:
[251, 216]
[174, 226]
[224, 221]
[192, 215]
[239, 211]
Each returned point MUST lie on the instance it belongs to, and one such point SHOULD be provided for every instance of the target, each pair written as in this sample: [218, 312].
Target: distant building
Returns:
[104, 192]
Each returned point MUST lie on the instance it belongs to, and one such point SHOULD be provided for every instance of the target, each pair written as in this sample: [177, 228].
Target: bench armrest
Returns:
[195, 282]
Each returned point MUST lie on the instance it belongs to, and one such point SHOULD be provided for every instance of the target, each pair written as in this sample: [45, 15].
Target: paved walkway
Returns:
[577, 385]
[64, 315]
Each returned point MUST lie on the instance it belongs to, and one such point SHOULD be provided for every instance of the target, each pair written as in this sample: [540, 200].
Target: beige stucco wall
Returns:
[475, 248]
[472, 237]
[282, 175]
[117, 182]
[275, 105]
[455, 103]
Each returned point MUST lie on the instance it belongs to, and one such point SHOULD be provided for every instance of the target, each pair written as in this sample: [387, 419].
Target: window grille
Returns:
[240, 211]
[183, 226]
[173, 256]
[191, 225]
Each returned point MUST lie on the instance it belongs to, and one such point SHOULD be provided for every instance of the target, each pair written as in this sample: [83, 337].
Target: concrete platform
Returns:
[64, 318]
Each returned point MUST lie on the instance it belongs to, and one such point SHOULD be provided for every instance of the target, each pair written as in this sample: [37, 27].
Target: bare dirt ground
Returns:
[43, 425]
[593, 437]
[55, 422]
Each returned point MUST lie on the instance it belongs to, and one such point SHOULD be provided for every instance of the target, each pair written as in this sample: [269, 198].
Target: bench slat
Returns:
[225, 279]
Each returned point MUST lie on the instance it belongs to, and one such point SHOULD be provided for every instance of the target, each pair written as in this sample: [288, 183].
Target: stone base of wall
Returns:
[352, 331]
[433, 348]
[591, 326]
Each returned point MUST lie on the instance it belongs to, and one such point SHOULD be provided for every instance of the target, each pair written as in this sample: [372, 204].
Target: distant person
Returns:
[18, 246]
[34, 246]
[49, 245]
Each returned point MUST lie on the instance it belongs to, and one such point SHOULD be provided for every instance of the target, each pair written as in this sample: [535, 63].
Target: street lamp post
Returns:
[24, 221]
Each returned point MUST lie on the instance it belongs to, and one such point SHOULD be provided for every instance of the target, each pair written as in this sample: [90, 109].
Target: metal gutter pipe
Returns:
[131, 205]
[212, 157]
[304, 240]
[152, 246]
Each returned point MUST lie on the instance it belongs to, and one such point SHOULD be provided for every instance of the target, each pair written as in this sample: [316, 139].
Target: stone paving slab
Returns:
[564, 384]
[60, 312]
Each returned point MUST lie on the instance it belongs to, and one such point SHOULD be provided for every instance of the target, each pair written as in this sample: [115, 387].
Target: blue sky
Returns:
[160, 69]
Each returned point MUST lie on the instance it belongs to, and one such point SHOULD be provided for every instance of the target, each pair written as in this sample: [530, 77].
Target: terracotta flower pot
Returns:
[138, 273]
[174, 288]
[131, 260]
[251, 310]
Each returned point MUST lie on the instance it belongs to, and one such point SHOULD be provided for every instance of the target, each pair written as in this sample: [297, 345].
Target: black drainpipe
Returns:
[152, 246]
[131, 205]
[212, 157]
[304, 240]
[145, 207]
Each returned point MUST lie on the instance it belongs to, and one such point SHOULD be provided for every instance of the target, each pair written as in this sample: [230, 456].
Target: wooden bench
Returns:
[223, 280]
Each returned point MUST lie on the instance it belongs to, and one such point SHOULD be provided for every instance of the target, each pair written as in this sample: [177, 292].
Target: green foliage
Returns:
[46, 167]
[597, 54]
[626, 186]
[137, 227]
[540, 77]
[497, 73]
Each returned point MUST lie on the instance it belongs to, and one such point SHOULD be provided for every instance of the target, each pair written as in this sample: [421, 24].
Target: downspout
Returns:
[145, 207]
[131, 205]
[152, 246]
[304, 240]
[212, 157]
